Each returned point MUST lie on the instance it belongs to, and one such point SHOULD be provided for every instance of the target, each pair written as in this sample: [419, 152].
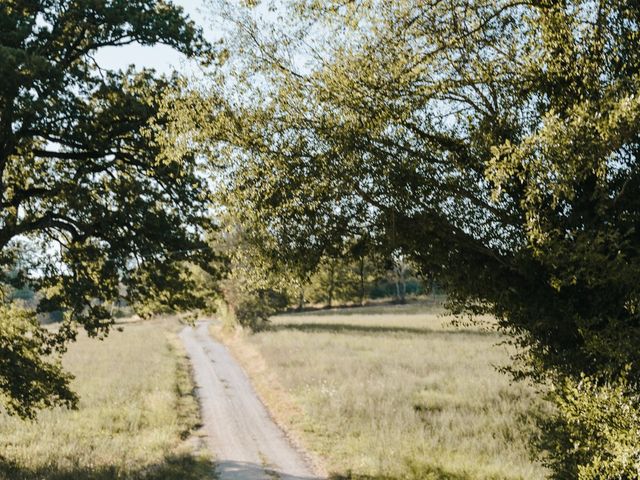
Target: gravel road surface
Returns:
[245, 441]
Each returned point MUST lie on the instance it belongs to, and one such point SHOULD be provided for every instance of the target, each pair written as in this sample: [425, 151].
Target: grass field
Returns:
[135, 415]
[394, 393]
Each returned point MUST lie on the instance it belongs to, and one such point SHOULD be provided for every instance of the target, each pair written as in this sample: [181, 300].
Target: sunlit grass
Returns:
[395, 393]
[136, 411]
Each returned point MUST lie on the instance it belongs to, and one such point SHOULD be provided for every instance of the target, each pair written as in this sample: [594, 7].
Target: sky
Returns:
[160, 57]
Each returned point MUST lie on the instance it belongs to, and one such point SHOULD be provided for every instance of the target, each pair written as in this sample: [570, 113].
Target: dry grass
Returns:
[394, 393]
[136, 412]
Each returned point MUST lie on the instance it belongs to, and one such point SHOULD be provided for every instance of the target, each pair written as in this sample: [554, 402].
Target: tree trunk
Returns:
[301, 299]
[362, 281]
[331, 284]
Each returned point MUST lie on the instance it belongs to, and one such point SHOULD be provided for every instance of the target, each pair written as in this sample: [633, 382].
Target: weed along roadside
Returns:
[135, 419]
[384, 393]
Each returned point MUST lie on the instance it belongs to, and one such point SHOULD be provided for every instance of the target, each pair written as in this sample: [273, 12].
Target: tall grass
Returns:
[395, 393]
[136, 411]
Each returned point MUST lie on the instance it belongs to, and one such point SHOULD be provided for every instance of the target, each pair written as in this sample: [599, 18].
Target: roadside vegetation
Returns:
[134, 417]
[326, 153]
[394, 392]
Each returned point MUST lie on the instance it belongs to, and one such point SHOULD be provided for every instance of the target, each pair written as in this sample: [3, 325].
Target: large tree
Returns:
[90, 212]
[496, 143]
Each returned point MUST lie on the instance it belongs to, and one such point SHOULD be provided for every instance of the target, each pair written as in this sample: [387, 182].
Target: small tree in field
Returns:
[400, 268]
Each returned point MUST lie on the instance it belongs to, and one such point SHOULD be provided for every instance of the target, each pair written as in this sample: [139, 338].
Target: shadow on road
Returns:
[233, 470]
[185, 467]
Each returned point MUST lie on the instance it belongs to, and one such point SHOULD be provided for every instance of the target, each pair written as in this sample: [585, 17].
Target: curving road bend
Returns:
[244, 439]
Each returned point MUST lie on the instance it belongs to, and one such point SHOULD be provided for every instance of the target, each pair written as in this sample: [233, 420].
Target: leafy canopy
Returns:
[495, 143]
[99, 215]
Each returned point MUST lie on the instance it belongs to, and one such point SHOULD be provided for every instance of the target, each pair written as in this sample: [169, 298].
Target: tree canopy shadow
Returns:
[314, 327]
[377, 308]
[189, 467]
[422, 472]
[174, 467]
[251, 471]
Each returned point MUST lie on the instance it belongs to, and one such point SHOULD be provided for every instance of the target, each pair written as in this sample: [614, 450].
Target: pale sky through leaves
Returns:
[160, 57]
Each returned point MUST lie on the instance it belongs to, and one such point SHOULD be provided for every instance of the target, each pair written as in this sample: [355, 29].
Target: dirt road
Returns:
[247, 444]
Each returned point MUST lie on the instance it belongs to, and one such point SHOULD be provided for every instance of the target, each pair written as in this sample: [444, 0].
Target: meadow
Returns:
[134, 421]
[394, 393]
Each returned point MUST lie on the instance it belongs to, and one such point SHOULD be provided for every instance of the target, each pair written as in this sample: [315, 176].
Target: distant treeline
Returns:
[250, 295]
[352, 282]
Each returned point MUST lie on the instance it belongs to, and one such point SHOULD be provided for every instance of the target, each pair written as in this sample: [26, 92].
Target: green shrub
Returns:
[254, 308]
[31, 373]
[594, 433]
[248, 306]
